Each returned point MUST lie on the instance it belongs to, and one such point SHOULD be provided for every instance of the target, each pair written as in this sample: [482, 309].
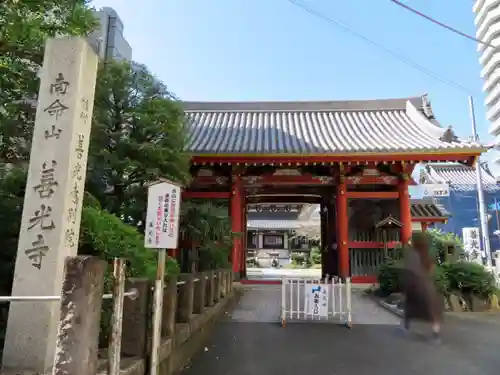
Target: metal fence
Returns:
[314, 299]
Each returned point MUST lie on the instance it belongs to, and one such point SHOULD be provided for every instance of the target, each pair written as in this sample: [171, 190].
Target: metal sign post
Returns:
[162, 233]
[480, 193]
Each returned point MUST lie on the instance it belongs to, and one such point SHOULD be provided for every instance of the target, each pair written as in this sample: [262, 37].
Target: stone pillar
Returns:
[50, 223]
[170, 306]
[210, 288]
[80, 316]
[342, 228]
[200, 290]
[405, 209]
[236, 220]
[217, 285]
[186, 299]
[136, 318]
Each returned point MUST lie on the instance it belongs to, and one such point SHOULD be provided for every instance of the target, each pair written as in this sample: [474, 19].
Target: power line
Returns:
[448, 27]
[394, 54]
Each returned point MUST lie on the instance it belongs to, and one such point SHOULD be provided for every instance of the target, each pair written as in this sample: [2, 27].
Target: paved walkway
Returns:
[250, 341]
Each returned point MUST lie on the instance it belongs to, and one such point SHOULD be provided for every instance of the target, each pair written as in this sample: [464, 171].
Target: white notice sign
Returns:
[316, 300]
[472, 244]
[436, 190]
[162, 219]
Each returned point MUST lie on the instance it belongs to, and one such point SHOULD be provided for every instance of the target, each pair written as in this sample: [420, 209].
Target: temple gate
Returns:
[354, 158]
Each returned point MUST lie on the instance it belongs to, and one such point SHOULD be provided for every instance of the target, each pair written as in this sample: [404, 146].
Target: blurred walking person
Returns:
[422, 299]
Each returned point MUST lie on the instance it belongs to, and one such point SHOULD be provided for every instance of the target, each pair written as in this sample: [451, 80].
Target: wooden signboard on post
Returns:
[161, 233]
[162, 219]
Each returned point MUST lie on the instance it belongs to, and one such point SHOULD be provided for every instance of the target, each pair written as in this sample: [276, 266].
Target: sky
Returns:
[238, 50]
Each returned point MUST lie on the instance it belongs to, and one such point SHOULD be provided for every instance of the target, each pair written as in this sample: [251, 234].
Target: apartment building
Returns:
[112, 43]
[487, 20]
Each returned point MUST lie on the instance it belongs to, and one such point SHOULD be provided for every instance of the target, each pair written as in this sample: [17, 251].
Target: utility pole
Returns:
[480, 192]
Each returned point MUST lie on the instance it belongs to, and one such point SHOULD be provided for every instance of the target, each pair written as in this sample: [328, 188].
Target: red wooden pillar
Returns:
[342, 228]
[404, 209]
[424, 226]
[243, 264]
[236, 221]
[324, 237]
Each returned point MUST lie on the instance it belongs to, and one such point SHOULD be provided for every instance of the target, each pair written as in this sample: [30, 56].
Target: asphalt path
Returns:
[250, 341]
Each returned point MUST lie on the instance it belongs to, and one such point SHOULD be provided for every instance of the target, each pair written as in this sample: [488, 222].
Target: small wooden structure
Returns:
[386, 227]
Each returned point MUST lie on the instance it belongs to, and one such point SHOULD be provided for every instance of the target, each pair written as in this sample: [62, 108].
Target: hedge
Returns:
[462, 277]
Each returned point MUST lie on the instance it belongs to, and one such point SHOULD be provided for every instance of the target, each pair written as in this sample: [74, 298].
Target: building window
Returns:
[273, 241]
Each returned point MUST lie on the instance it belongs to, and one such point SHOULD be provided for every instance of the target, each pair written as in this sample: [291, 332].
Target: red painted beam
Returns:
[364, 279]
[372, 194]
[206, 195]
[285, 180]
[371, 245]
[371, 180]
[332, 158]
[276, 199]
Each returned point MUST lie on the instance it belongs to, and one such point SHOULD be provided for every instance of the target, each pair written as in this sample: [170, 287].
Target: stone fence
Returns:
[191, 304]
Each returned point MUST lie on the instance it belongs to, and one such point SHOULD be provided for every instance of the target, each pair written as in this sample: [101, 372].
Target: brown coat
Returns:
[422, 300]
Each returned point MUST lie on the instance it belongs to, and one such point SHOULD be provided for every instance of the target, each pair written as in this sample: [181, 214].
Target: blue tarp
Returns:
[464, 209]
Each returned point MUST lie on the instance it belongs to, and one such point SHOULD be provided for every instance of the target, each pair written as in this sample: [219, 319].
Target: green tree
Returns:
[25, 25]
[138, 136]
[206, 227]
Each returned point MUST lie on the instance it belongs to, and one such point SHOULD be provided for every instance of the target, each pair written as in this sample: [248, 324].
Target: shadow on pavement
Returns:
[251, 348]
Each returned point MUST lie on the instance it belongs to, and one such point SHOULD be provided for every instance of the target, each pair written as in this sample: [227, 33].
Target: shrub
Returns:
[441, 280]
[315, 255]
[298, 258]
[469, 278]
[106, 236]
[389, 278]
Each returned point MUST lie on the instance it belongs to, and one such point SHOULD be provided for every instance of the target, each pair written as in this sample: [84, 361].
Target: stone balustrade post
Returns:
[200, 288]
[228, 282]
[223, 283]
[135, 331]
[186, 298]
[217, 283]
[231, 281]
[170, 302]
[210, 288]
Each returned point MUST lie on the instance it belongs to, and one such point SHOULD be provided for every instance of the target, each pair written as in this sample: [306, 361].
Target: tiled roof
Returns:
[422, 209]
[273, 224]
[459, 176]
[390, 125]
[419, 209]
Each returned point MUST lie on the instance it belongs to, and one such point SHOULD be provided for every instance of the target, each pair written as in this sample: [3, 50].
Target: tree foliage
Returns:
[138, 136]
[451, 274]
[24, 27]
[206, 226]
